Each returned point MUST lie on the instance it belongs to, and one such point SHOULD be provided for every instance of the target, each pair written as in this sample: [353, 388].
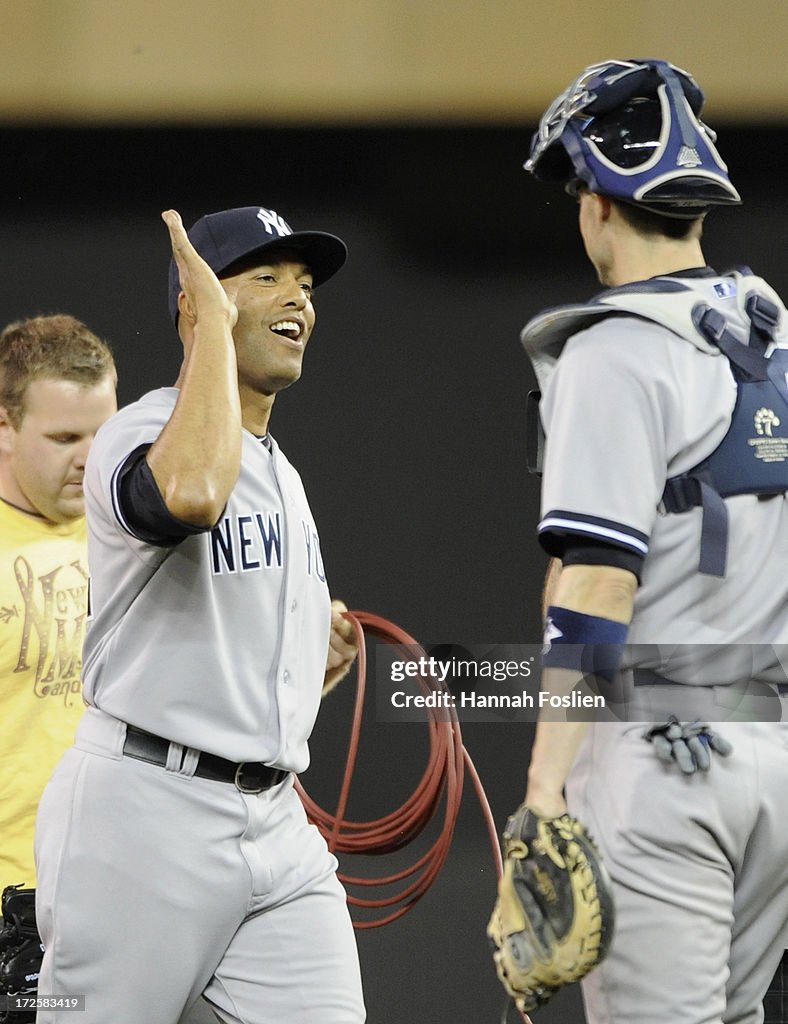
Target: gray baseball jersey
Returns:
[217, 643]
[629, 404]
[245, 603]
[699, 863]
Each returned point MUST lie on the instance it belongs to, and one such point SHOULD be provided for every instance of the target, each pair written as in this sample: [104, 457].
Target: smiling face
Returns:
[275, 321]
[42, 458]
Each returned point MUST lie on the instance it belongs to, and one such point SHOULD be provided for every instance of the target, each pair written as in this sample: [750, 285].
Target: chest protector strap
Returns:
[749, 459]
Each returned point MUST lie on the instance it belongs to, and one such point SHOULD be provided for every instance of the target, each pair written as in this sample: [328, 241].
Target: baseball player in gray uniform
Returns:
[174, 855]
[665, 409]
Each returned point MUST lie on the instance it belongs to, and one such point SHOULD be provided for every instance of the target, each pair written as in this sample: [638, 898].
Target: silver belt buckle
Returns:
[239, 784]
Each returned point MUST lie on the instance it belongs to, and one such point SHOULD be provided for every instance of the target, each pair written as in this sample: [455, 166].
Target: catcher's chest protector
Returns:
[752, 458]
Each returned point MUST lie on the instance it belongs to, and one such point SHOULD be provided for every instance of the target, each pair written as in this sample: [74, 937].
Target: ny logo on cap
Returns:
[273, 222]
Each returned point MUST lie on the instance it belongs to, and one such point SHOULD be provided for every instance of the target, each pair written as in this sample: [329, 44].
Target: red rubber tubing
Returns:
[441, 782]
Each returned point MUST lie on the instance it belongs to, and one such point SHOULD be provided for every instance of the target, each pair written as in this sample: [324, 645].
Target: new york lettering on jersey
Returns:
[254, 541]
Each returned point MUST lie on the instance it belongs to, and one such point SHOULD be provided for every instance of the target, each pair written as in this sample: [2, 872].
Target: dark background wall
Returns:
[408, 426]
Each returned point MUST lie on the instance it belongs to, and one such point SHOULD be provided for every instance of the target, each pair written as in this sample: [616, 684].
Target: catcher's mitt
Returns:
[553, 919]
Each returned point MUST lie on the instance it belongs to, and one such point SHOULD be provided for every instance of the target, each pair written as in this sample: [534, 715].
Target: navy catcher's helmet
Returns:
[631, 130]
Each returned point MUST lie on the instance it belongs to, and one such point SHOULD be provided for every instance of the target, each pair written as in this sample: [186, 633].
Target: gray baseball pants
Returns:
[699, 865]
[155, 887]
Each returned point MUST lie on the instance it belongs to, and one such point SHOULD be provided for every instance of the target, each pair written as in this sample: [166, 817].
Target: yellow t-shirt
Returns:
[43, 608]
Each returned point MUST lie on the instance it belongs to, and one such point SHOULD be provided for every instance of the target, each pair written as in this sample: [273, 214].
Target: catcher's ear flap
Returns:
[534, 433]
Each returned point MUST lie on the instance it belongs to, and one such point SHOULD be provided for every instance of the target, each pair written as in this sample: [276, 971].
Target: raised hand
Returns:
[202, 288]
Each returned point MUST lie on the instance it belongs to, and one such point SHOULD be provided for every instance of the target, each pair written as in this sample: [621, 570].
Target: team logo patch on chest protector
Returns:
[752, 458]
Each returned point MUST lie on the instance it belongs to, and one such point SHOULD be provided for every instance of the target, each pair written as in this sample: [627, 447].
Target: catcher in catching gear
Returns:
[553, 919]
[672, 595]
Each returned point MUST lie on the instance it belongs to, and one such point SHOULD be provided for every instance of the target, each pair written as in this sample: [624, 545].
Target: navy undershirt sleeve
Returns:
[582, 551]
[143, 507]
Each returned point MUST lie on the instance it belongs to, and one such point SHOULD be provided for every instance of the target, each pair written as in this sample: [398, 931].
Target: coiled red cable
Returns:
[442, 780]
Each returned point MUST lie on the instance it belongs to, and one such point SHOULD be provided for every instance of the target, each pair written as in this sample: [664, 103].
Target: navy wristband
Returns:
[586, 643]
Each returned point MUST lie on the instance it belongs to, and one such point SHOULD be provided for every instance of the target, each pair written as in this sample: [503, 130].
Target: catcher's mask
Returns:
[631, 130]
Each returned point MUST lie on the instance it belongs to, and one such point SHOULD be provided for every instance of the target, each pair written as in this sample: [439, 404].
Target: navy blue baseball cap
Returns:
[225, 237]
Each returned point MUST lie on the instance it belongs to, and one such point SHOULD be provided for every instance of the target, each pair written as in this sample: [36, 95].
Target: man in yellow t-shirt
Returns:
[57, 386]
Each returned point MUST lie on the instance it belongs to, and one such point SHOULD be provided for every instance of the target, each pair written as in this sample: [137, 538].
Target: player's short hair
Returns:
[56, 347]
[646, 222]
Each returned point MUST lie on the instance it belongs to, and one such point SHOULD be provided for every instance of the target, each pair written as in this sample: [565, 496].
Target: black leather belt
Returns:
[247, 776]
